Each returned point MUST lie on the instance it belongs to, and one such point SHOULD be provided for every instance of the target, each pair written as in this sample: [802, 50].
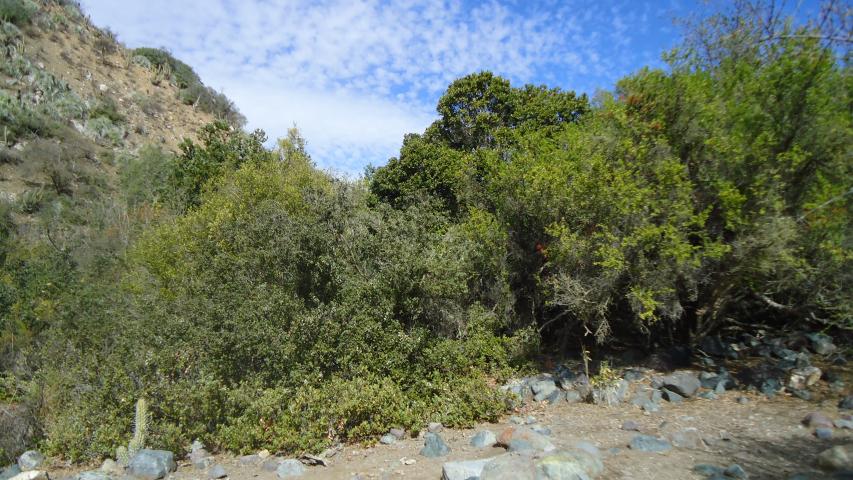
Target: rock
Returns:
[707, 395]
[541, 429]
[573, 396]
[511, 466]
[111, 466]
[196, 446]
[31, 475]
[843, 423]
[523, 438]
[30, 460]
[217, 471]
[632, 375]
[821, 343]
[248, 460]
[388, 439]
[94, 475]
[434, 446]
[516, 420]
[264, 454]
[542, 389]
[688, 438]
[10, 472]
[648, 443]
[671, 396]
[708, 470]
[846, 403]
[398, 432]
[742, 400]
[630, 426]
[770, 387]
[464, 470]
[152, 464]
[568, 465]
[817, 420]
[435, 427]
[801, 378]
[802, 394]
[290, 468]
[200, 458]
[823, 433]
[271, 464]
[839, 457]
[484, 439]
[683, 383]
[736, 471]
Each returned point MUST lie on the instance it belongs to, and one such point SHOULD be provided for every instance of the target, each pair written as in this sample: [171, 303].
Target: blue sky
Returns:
[355, 76]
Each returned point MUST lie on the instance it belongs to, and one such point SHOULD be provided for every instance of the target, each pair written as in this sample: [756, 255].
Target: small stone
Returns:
[111, 466]
[736, 471]
[683, 383]
[630, 426]
[435, 427]
[398, 432]
[247, 460]
[271, 464]
[802, 394]
[821, 343]
[484, 439]
[434, 446]
[516, 420]
[671, 396]
[464, 470]
[843, 423]
[839, 457]
[573, 396]
[524, 437]
[290, 468]
[31, 475]
[542, 389]
[823, 433]
[770, 387]
[217, 471]
[688, 438]
[30, 460]
[196, 446]
[817, 420]
[846, 403]
[263, 454]
[648, 443]
[103, 87]
[152, 464]
[742, 400]
[802, 378]
[388, 439]
[707, 395]
[541, 429]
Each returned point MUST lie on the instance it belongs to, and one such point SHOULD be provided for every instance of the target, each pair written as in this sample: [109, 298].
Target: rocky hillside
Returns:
[70, 91]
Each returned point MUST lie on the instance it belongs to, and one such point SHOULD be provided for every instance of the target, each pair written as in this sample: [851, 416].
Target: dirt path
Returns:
[764, 436]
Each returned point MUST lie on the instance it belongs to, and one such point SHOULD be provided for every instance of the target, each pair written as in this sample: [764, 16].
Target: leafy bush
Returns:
[19, 12]
[104, 130]
[108, 108]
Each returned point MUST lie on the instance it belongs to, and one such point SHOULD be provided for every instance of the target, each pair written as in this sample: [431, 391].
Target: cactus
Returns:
[140, 432]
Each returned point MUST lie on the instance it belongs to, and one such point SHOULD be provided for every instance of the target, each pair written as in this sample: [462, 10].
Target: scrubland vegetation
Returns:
[256, 301]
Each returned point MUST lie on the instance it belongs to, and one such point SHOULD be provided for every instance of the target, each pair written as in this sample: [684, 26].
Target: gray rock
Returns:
[435, 427]
[94, 475]
[200, 458]
[709, 470]
[671, 396]
[821, 343]
[434, 446]
[31, 475]
[542, 389]
[464, 470]
[573, 396]
[516, 420]
[770, 387]
[248, 460]
[484, 439]
[839, 457]
[524, 439]
[688, 438]
[843, 423]
[648, 443]
[388, 439]
[398, 432]
[270, 464]
[541, 429]
[290, 468]
[30, 460]
[742, 400]
[588, 448]
[152, 464]
[111, 466]
[630, 426]
[217, 471]
[846, 403]
[817, 420]
[823, 433]
[196, 446]
[683, 383]
[510, 467]
[568, 465]
[736, 471]
[10, 472]
[707, 395]
[556, 396]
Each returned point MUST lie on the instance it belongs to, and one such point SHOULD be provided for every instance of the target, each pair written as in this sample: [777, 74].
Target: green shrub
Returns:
[19, 12]
[108, 108]
[104, 130]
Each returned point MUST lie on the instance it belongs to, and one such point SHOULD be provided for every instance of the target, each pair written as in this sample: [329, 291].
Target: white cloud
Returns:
[355, 75]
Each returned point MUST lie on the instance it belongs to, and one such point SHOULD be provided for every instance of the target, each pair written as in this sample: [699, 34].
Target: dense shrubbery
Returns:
[255, 301]
[18, 12]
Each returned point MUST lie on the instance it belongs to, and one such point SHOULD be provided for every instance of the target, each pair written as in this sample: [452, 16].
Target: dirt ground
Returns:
[764, 436]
